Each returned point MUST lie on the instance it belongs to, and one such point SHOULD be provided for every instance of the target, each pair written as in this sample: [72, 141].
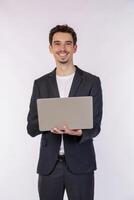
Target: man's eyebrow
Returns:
[61, 41]
[56, 41]
[69, 41]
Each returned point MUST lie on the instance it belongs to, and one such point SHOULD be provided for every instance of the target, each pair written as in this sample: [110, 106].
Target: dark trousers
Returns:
[78, 187]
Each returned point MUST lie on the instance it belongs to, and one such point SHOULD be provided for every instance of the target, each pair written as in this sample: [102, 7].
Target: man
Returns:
[67, 157]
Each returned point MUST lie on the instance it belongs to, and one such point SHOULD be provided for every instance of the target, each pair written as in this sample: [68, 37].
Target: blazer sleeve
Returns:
[96, 93]
[32, 119]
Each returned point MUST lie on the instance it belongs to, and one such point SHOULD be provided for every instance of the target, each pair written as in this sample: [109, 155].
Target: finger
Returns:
[77, 132]
[57, 131]
[66, 129]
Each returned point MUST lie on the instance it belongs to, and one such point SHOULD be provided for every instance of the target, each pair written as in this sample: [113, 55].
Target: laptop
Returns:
[75, 112]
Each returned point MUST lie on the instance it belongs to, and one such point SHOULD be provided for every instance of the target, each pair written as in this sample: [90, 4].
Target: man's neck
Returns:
[65, 70]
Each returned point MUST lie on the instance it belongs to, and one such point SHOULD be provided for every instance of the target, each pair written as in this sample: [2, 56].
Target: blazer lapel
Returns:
[53, 90]
[76, 82]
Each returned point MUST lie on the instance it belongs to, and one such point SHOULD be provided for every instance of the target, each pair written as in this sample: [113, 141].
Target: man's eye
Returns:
[69, 43]
[57, 43]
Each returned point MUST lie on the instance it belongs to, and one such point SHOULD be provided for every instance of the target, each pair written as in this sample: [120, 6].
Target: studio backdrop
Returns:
[105, 30]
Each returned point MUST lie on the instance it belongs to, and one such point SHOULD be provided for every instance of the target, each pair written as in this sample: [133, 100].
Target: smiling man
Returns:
[63, 48]
[67, 157]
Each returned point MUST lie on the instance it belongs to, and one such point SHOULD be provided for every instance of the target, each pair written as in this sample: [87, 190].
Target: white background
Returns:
[105, 31]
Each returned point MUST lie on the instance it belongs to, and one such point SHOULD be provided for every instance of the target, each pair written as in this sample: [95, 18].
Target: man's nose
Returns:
[63, 46]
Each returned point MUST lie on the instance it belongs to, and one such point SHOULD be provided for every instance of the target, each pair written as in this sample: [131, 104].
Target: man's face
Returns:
[63, 48]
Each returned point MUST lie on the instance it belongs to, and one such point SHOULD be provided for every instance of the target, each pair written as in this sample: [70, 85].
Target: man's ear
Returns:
[50, 49]
[75, 48]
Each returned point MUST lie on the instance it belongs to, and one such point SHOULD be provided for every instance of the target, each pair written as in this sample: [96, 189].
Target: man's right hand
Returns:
[57, 131]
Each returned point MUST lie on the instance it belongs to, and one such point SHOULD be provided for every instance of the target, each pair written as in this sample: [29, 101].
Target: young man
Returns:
[67, 157]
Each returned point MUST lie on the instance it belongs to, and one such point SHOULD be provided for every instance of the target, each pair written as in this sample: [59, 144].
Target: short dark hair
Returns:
[62, 28]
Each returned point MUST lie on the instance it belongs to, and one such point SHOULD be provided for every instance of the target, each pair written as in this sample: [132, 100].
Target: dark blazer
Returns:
[79, 151]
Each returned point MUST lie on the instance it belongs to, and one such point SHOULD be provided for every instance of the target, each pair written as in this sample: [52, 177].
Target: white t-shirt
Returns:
[64, 85]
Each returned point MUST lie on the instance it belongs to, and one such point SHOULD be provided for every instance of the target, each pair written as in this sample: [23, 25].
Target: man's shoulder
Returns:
[89, 75]
[44, 77]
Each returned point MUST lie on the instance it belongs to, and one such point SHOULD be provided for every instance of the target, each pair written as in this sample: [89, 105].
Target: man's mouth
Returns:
[62, 55]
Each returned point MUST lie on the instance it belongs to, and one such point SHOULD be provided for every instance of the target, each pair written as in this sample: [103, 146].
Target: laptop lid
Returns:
[75, 112]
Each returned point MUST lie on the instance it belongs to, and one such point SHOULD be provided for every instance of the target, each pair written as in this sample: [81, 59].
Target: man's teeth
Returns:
[62, 54]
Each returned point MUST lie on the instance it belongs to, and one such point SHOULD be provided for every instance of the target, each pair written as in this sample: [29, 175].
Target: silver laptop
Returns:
[75, 112]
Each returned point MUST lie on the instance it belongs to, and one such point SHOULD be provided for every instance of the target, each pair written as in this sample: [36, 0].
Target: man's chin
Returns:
[63, 62]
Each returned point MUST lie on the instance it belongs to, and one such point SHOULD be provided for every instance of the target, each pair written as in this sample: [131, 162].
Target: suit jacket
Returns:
[79, 150]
